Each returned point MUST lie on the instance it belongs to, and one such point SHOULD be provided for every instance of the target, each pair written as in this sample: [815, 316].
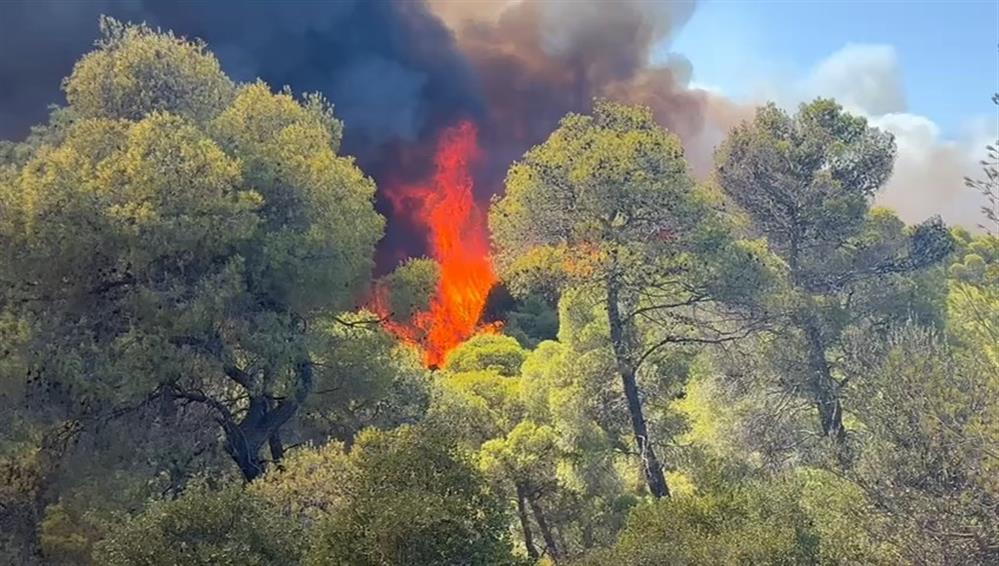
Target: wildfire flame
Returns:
[459, 242]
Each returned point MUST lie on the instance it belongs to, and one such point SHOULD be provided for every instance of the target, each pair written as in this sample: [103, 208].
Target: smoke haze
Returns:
[929, 170]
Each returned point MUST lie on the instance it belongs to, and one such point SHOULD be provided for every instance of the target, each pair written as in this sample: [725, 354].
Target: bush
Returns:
[412, 499]
[217, 528]
[751, 523]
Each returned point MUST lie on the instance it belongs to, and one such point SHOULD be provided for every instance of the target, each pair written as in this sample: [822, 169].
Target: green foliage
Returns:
[61, 540]
[527, 455]
[548, 432]
[606, 205]
[930, 445]
[973, 297]
[183, 240]
[805, 182]
[412, 499]
[226, 527]
[595, 182]
[571, 383]
[311, 483]
[848, 525]
[364, 377]
[478, 405]
[410, 287]
[827, 163]
[22, 476]
[320, 225]
[490, 352]
[136, 71]
[180, 257]
[609, 194]
[753, 523]
[532, 321]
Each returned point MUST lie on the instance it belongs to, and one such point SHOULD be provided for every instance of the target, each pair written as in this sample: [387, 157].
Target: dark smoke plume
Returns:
[538, 59]
[399, 72]
[391, 69]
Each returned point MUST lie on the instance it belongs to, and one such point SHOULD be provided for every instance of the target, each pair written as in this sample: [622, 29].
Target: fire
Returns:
[459, 242]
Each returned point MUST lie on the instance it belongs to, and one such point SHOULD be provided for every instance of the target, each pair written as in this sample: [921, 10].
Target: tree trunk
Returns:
[276, 447]
[243, 445]
[652, 468]
[825, 387]
[525, 523]
[261, 425]
[546, 532]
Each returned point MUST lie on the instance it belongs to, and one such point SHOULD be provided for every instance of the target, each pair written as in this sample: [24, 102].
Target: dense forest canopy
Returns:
[759, 368]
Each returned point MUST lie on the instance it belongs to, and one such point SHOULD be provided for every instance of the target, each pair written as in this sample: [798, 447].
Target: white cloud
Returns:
[929, 171]
[928, 178]
[861, 77]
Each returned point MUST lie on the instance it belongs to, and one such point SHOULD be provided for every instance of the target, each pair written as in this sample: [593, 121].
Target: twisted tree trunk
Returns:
[261, 425]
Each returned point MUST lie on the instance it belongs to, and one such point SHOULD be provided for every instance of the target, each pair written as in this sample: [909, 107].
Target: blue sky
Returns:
[947, 51]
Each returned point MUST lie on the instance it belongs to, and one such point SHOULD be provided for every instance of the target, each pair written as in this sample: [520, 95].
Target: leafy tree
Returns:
[805, 182]
[366, 378]
[179, 260]
[734, 410]
[311, 483]
[527, 457]
[22, 481]
[183, 239]
[488, 352]
[606, 203]
[478, 402]
[930, 445]
[532, 321]
[408, 496]
[973, 297]
[528, 444]
[134, 72]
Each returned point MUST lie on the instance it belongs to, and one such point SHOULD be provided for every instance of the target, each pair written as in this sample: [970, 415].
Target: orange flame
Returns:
[459, 242]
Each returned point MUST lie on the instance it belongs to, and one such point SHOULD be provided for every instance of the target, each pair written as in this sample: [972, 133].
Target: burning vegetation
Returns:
[458, 239]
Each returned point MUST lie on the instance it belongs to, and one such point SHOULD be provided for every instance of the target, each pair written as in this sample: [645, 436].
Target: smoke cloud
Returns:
[929, 169]
[538, 60]
[391, 68]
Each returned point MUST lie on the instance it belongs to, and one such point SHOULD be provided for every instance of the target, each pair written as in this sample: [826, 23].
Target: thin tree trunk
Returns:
[652, 468]
[560, 536]
[825, 387]
[276, 447]
[525, 523]
[546, 532]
